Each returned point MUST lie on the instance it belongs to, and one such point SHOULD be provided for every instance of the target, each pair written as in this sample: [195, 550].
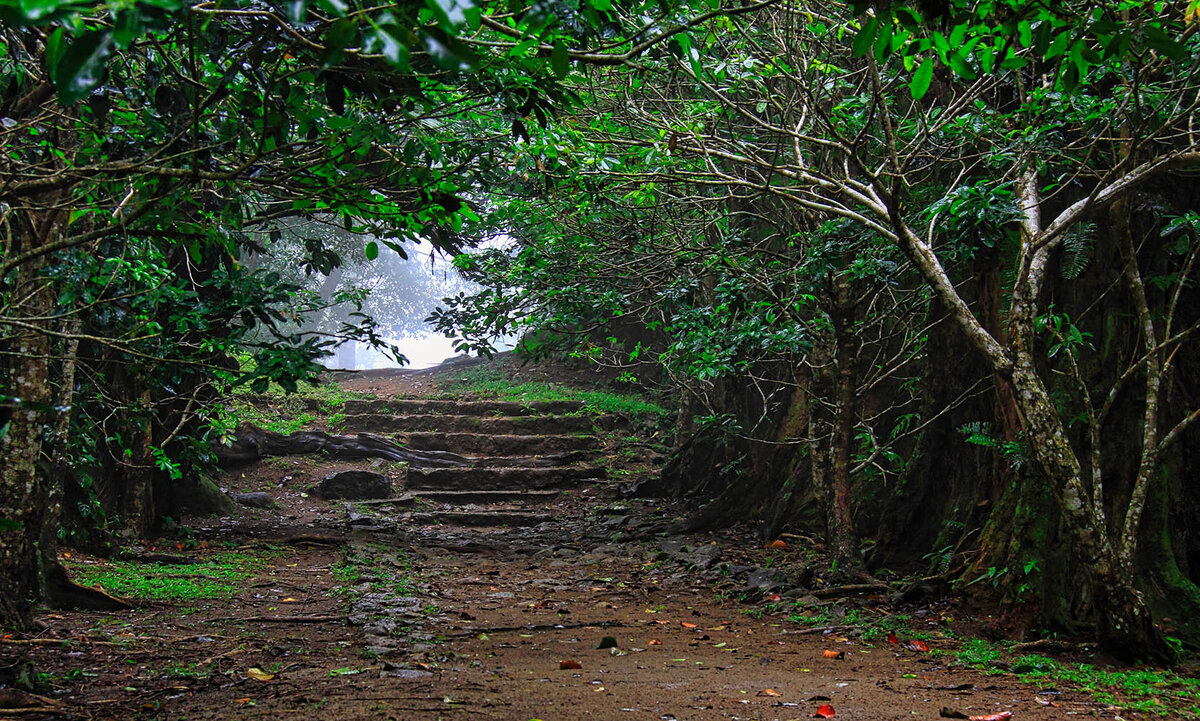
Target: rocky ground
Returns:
[518, 585]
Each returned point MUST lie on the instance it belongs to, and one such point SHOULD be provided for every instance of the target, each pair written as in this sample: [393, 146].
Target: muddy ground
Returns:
[583, 604]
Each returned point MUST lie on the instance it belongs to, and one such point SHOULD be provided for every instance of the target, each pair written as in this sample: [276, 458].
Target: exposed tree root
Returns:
[253, 443]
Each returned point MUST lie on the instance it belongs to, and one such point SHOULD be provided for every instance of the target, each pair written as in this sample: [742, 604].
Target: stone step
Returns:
[384, 423]
[465, 479]
[463, 497]
[482, 519]
[408, 407]
[475, 444]
[554, 460]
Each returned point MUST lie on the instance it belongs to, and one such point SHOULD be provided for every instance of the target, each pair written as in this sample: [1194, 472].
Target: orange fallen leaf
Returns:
[775, 597]
[1002, 716]
[289, 599]
[777, 544]
[829, 653]
[826, 711]
[769, 692]
[685, 624]
[570, 665]
[655, 642]
[242, 700]
[892, 638]
[917, 646]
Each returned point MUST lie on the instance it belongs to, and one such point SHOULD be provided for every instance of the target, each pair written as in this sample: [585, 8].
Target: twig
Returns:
[851, 589]
[538, 627]
[289, 619]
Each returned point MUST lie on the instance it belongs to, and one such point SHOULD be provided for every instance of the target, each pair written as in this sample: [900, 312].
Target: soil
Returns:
[497, 603]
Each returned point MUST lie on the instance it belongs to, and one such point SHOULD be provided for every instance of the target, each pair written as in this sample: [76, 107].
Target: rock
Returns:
[763, 578]
[408, 674]
[255, 499]
[355, 485]
[704, 556]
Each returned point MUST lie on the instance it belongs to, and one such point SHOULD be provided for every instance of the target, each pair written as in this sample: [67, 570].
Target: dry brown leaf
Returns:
[258, 674]
[570, 665]
[829, 653]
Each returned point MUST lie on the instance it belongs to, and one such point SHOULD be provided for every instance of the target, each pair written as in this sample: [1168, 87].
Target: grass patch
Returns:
[217, 577]
[1148, 690]
[492, 383]
[287, 413]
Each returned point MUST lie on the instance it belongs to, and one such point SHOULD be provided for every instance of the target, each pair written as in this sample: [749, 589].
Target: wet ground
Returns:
[487, 595]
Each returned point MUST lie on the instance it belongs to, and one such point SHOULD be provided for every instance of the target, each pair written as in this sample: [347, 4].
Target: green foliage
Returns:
[488, 383]
[216, 577]
[980, 433]
[1137, 689]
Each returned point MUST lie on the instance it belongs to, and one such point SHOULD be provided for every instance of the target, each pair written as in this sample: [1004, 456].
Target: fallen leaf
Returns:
[917, 646]
[655, 642]
[570, 665]
[892, 638]
[769, 692]
[775, 597]
[717, 628]
[1002, 716]
[685, 624]
[826, 711]
[289, 599]
[829, 653]
[243, 700]
[258, 674]
[777, 544]
[343, 671]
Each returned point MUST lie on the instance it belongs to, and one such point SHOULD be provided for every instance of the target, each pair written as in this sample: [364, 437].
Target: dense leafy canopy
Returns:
[779, 207]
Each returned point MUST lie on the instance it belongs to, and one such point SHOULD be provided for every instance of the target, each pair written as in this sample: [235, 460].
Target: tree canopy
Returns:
[845, 235]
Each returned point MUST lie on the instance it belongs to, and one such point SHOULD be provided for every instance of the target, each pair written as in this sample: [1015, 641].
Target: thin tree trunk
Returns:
[843, 545]
[22, 494]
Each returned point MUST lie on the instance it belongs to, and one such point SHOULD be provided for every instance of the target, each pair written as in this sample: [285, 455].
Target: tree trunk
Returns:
[22, 492]
[843, 546]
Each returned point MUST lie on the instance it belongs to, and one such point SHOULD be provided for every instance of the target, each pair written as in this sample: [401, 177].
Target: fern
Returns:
[979, 433]
[1077, 250]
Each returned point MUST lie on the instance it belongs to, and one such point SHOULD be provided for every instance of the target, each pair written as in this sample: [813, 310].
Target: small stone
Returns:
[254, 499]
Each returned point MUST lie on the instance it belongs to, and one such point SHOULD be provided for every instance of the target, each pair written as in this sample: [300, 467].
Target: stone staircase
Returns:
[520, 458]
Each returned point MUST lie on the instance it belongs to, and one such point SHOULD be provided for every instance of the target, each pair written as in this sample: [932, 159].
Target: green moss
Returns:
[1150, 690]
[218, 576]
[490, 383]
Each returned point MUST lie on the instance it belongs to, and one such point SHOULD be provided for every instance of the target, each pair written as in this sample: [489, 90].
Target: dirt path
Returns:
[520, 586]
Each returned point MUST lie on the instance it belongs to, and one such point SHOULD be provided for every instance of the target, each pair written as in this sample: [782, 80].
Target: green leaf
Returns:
[961, 67]
[372, 250]
[339, 37]
[1165, 44]
[883, 42]
[921, 79]
[602, 5]
[559, 59]
[81, 67]
[865, 38]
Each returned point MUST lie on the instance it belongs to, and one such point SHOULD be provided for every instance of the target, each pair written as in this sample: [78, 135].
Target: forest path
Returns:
[518, 586]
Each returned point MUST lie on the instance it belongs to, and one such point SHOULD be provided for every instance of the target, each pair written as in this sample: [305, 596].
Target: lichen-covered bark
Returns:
[22, 495]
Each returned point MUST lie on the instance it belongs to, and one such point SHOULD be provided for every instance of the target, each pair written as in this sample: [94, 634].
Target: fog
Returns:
[422, 280]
